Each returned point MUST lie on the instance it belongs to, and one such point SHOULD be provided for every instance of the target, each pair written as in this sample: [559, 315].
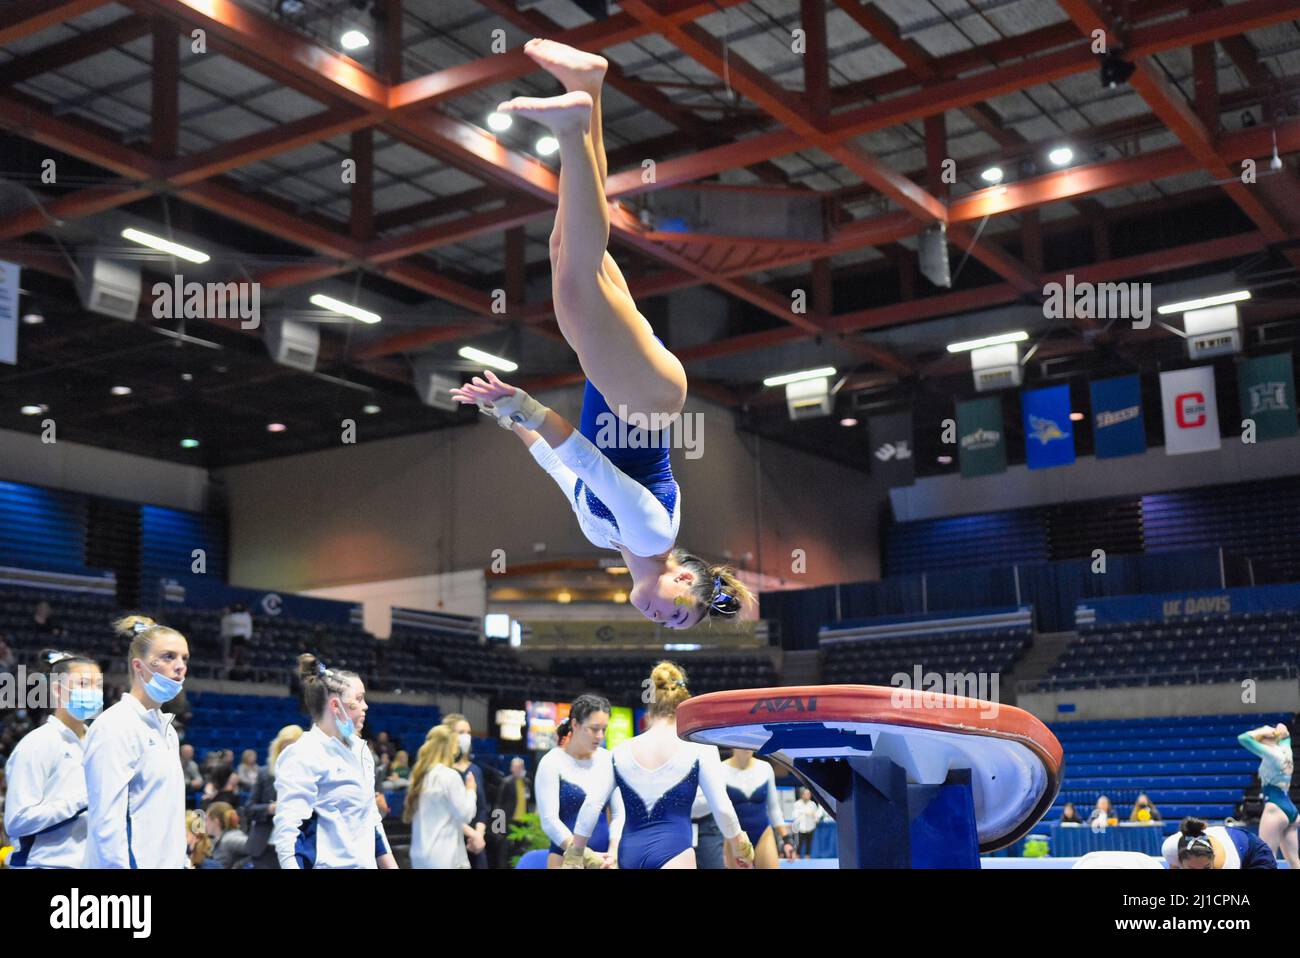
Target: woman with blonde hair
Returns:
[260, 810]
[614, 469]
[135, 785]
[325, 810]
[197, 843]
[658, 774]
[439, 804]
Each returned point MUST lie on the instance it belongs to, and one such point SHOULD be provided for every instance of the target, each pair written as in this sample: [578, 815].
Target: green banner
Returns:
[1267, 387]
[981, 437]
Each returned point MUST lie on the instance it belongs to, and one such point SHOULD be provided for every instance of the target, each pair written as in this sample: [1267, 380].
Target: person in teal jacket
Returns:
[1277, 825]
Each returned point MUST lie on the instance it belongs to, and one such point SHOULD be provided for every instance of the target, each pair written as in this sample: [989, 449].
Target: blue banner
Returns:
[1172, 605]
[1117, 425]
[1049, 434]
[203, 592]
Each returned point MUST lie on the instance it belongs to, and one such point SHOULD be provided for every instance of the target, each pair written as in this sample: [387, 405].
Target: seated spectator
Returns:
[399, 772]
[228, 842]
[222, 786]
[247, 771]
[197, 843]
[43, 619]
[1102, 815]
[1069, 815]
[193, 777]
[1144, 810]
[260, 810]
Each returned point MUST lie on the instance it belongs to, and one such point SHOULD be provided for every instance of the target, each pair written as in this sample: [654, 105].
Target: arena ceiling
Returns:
[237, 150]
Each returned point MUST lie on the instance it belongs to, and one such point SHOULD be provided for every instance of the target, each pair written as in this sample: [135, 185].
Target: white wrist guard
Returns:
[520, 408]
[488, 409]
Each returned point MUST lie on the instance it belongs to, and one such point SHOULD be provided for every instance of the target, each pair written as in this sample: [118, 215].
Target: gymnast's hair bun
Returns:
[668, 689]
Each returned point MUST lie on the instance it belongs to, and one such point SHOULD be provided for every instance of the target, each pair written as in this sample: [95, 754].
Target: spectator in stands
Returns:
[514, 801]
[260, 810]
[440, 804]
[399, 772]
[43, 620]
[221, 786]
[236, 633]
[197, 843]
[248, 770]
[1102, 814]
[476, 830]
[8, 661]
[807, 815]
[47, 784]
[129, 780]
[383, 745]
[193, 777]
[212, 761]
[228, 842]
[1070, 815]
[1144, 810]
[327, 778]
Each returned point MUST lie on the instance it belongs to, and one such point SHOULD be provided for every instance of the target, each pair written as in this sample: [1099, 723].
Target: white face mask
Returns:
[463, 740]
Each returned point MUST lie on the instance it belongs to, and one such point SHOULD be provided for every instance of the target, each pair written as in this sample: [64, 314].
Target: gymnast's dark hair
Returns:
[583, 707]
[319, 683]
[59, 662]
[1192, 839]
[717, 590]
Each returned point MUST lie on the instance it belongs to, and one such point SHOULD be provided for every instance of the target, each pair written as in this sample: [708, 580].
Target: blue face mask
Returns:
[162, 689]
[85, 704]
[344, 723]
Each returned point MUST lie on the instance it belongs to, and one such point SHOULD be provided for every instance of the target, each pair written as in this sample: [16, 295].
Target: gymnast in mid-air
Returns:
[622, 492]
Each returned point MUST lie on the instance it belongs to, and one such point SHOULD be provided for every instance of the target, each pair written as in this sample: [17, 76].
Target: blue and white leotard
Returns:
[562, 784]
[657, 803]
[617, 479]
[1241, 848]
[752, 791]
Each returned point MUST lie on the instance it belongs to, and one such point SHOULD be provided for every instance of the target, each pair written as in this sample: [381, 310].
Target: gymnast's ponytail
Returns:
[717, 589]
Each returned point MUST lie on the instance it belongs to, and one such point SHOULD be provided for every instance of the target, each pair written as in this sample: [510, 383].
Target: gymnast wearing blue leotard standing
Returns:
[1279, 824]
[751, 786]
[616, 478]
[568, 773]
[658, 773]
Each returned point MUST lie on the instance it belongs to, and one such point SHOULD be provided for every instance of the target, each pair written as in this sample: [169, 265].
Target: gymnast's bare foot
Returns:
[574, 68]
[568, 113]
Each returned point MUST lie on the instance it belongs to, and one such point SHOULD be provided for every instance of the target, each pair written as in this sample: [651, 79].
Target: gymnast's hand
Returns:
[743, 851]
[509, 404]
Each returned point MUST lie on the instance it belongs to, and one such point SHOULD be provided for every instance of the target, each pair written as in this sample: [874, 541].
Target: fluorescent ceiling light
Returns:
[1061, 155]
[992, 175]
[786, 378]
[487, 359]
[499, 122]
[347, 309]
[1017, 337]
[164, 245]
[1187, 305]
[354, 40]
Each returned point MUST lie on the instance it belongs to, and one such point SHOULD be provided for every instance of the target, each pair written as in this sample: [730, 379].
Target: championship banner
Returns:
[1118, 428]
[892, 448]
[1049, 433]
[9, 273]
[981, 437]
[1267, 387]
[1190, 410]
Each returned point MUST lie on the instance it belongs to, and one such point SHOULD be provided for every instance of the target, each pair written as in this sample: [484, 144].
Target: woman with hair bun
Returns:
[44, 810]
[658, 773]
[1198, 846]
[570, 772]
[134, 780]
[325, 810]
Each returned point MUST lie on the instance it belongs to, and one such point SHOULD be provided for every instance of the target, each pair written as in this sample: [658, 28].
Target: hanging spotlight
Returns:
[547, 145]
[1115, 70]
[354, 40]
[992, 175]
[499, 122]
[1060, 156]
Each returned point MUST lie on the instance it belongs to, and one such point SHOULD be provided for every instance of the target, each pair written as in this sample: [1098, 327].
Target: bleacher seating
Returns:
[460, 657]
[238, 722]
[1223, 648]
[1186, 765]
[83, 616]
[874, 661]
[622, 678]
